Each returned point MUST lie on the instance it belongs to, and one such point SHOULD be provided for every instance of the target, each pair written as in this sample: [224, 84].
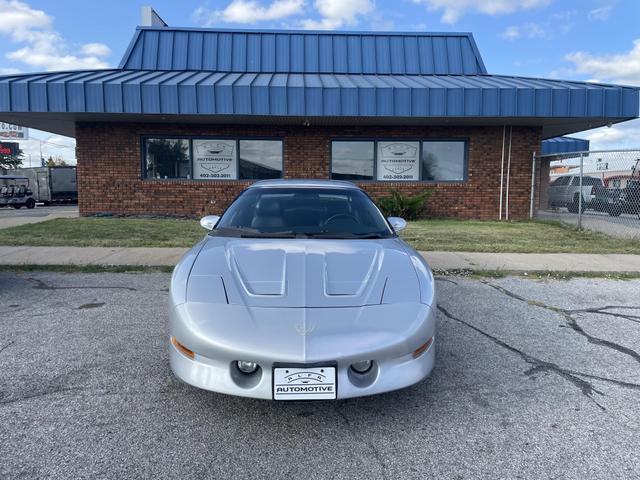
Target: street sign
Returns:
[9, 148]
[13, 132]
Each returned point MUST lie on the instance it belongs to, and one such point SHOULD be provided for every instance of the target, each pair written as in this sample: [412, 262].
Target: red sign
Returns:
[9, 148]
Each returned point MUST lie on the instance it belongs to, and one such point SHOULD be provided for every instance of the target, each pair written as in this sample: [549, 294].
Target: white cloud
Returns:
[601, 13]
[249, 11]
[620, 136]
[529, 30]
[454, 9]
[96, 50]
[41, 45]
[338, 13]
[511, 33]
[620, 68]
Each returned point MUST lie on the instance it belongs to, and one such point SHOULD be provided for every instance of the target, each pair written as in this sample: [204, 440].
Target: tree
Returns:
[55, 162]
[11, 161]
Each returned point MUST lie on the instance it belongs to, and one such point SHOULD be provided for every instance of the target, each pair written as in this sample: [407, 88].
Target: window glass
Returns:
[352, 160]
[443, 161]
[260, 159]
[303, 212]
[167, 158]
[398, 161]
[215, 159]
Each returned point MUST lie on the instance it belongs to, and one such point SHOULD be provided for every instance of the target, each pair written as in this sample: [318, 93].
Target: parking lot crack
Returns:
[372, 448]
[3, 348]
[40, 285]
[538, 365]
[603, 311]
[571, 322]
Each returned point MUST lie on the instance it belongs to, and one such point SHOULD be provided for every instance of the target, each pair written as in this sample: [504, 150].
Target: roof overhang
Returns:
[64, 123]
[56, 101]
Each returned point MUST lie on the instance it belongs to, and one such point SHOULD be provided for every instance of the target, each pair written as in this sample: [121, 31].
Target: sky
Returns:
[591, 40]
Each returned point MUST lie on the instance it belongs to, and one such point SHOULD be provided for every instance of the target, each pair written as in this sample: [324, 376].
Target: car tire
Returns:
[575, 206]
[31, 203]
[17, 207]
[614, 211]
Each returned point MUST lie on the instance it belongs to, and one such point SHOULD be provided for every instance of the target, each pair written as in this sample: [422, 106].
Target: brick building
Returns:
[192, 116]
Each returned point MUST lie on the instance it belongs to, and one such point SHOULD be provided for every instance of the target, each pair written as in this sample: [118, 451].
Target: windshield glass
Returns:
[303, 213]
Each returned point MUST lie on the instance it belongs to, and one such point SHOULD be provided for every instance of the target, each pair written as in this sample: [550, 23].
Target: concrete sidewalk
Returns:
[158, 257]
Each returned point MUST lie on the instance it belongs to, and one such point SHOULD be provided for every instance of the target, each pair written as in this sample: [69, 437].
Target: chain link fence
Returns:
[594, 190]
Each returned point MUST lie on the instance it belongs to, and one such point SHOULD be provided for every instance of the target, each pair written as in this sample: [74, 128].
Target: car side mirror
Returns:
[397, 223]
[209, 222]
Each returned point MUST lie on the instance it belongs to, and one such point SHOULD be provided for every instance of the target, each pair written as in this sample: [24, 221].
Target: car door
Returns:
[557, 190]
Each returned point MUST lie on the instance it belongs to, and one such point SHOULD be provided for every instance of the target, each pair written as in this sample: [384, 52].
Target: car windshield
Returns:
[303, 213]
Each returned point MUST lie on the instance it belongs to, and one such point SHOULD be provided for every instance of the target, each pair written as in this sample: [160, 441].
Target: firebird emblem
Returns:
[305, 330]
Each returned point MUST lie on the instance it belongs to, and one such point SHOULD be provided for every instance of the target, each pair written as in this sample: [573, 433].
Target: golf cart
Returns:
[15, 192]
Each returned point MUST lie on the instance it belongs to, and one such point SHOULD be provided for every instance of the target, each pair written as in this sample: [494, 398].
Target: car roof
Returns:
[302, 183]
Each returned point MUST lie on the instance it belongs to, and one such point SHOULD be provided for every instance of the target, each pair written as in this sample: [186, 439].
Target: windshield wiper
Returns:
[253, 233]
[345, 235]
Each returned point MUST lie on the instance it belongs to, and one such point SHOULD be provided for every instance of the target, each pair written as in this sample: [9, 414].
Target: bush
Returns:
[404, 206]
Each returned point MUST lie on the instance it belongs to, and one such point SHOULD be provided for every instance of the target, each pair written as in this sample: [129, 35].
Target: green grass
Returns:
[512, 237]
[84, 268]
[430, 235]
[106, 232]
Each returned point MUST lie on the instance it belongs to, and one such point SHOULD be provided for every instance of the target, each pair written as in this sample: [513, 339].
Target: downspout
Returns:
[504, 134]
[508, 172]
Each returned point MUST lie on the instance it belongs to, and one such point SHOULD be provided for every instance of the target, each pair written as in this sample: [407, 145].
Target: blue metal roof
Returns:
[564, 145]
[312, 95]
[341, 77]
[273, 51]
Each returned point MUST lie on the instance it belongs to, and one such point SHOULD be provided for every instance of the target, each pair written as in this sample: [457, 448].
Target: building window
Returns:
[167, 158]
[260, 159]
[212, 158]
[443, 161]
[400, 160]
[215, 159]
[352, 160]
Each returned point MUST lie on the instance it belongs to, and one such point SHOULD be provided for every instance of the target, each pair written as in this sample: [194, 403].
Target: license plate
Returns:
[307, 383]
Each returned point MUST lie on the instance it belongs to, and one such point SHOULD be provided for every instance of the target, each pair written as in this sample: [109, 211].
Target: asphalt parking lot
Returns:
[535, 379]
[39, 211]
[624, 226]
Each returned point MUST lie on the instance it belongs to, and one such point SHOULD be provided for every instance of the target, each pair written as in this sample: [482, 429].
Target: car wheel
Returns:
[31, 203]
[17, 207]
[575, 206]
[614, 211]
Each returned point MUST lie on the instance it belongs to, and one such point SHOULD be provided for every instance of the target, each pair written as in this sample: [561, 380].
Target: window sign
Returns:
[398, 161]
[215, 159]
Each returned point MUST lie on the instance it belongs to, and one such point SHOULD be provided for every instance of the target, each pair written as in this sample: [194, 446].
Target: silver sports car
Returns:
[302, 291]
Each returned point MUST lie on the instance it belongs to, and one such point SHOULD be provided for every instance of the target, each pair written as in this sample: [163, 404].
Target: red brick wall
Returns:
[109, 168]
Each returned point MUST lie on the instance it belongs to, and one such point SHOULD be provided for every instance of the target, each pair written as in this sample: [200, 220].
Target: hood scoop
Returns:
[260, 271]
[305, 273]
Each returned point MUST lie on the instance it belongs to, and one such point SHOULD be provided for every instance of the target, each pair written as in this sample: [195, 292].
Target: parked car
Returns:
[15, 192]
[565, 192]
[302, 290]
[617, 201]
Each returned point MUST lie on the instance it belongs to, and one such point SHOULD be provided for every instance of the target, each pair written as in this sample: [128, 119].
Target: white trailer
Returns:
[50, 184]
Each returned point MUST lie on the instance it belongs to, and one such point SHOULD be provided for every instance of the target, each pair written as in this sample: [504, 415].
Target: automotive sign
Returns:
[215, 159]
[398, 161]
[16, 132]
[9, 148]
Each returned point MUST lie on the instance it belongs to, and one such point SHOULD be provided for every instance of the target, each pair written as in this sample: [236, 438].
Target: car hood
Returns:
[303, 273]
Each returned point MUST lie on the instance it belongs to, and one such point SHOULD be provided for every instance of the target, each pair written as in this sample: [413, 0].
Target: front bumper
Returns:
[213, 366]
